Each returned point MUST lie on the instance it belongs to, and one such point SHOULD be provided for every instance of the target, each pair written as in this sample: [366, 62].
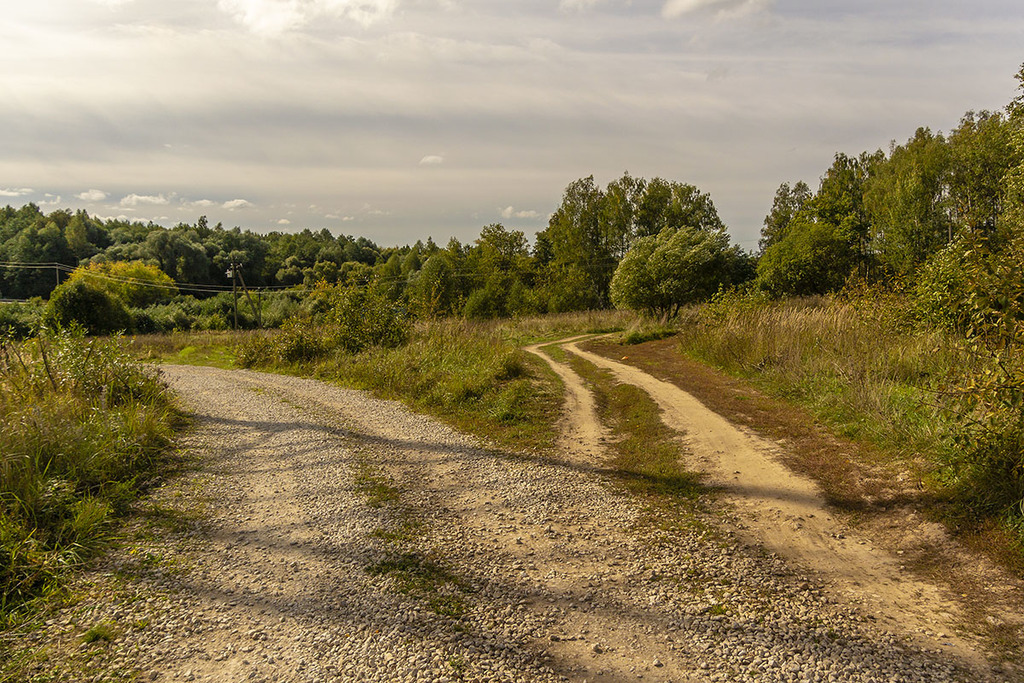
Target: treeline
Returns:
[197, 257]
[910, 215]
[180, 275]
[886, 215]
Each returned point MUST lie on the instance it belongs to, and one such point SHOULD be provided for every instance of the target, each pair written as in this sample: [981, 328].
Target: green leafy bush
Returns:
[20, 320]
[79, 302]
[345, 319]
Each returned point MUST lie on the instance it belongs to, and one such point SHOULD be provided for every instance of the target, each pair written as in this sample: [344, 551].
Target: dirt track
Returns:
[478, 564]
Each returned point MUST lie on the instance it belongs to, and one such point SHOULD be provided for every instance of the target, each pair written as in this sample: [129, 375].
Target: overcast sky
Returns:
[399, 119]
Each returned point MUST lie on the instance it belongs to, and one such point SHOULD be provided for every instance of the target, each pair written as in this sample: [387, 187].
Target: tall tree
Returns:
[982, 152]
[789, 201]
[906, 200]
[581, 266]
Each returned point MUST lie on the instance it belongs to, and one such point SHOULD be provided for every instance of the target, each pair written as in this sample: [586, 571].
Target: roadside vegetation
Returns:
[473, 374]
[941, 406]
[83, 429]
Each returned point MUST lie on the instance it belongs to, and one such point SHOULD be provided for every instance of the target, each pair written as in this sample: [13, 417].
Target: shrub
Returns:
[80, 303]
[664, 272]
[135, 283]
[20, 320]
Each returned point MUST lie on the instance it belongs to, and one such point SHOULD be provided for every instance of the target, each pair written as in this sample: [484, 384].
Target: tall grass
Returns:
[933, 401]
[81, 425]
[857, 364]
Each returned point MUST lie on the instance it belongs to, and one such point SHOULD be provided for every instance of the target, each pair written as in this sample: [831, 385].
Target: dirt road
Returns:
[347, 538]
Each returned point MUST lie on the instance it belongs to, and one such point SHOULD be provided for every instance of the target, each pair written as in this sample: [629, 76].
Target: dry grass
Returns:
[859, 370]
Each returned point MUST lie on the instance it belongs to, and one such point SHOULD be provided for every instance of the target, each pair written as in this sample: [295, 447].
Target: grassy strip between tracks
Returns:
[646, 455]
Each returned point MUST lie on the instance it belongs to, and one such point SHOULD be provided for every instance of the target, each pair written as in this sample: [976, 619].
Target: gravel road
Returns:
[486, 566]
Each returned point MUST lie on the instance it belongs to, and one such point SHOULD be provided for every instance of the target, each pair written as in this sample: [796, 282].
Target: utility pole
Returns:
[234, 289]
[256, 312]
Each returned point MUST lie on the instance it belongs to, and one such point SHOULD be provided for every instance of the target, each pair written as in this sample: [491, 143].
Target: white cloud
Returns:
[51, 200]
[274, 17]
[365, 12]
[510, 212]
[140, 199]
[92, 195]
[432, 160]
[234, 204]
[284, 221]
[265, 17]
[576, 5]
[200, 203]
[15, 191]
[677, 8]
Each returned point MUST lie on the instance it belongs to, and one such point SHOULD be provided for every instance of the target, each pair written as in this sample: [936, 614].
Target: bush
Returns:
[363, 318]
[82, 304]
[664, 272]
[135, 283]
[348, 319]
[20, 320]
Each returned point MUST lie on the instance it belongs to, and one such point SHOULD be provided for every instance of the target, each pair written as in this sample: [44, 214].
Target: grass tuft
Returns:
[82, 427]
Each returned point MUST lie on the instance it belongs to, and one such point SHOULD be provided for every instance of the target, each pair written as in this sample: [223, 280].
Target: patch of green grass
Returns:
[647, 454]
[426, 579]
[458, 664]
[104, 631]
[405, 532]
[465, 374]
[209, 348]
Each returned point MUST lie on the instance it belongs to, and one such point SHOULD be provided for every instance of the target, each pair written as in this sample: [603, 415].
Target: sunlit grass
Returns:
[82, 427]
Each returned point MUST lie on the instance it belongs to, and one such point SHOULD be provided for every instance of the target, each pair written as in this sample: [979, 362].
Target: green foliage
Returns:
[788, 202]
[941, 288]
[907, 202]
[812, 258]
[435, 290]
[346, 320]
[81, 426]
[135, 283]
[983, 153]
[20, 320]
[364, 319]
[662, 273]
[80, 303]
[987, 465]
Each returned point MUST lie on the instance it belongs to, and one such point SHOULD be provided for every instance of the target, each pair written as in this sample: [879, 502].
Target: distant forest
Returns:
[905, 215]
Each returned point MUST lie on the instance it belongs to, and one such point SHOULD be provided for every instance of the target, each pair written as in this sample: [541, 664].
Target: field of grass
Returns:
[864, 369]
[83, 428]
[859, 370]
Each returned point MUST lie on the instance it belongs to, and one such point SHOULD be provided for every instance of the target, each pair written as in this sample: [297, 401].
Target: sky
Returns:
[402, 119]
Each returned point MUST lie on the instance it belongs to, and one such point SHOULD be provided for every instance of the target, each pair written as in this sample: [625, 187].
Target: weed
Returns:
[104, 631]
[426, 579]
